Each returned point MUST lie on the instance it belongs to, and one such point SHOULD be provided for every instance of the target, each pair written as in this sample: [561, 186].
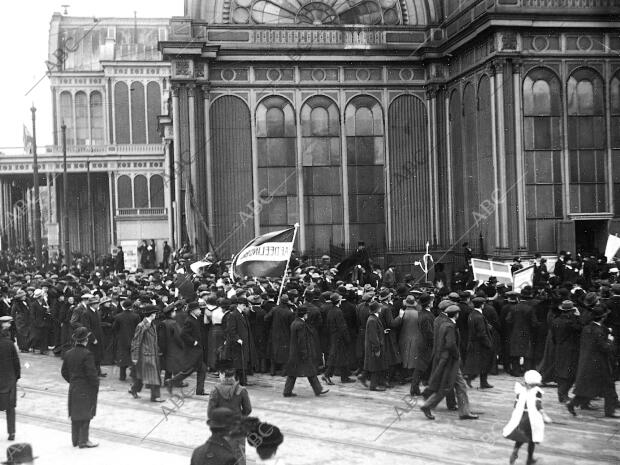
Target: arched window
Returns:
[322, 174]
[586, 142]
[121, 113]
[140, 192]
[153, 102]
[81, 118]
[365, 161]
[138, 123]
[156, 191]
[276, 133]
[66, 115]
[542, 143]
[96, 118]
[125, 195]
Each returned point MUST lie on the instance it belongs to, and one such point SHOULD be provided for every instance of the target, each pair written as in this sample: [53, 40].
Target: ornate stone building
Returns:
[400, 121]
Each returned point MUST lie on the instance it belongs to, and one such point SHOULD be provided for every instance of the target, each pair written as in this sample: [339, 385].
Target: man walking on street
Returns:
[10, 372]
[145, 355]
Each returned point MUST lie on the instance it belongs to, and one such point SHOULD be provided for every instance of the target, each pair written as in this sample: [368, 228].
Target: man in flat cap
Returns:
[217, 449]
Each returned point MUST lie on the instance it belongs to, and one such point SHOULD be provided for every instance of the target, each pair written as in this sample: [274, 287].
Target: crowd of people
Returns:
[346, 324]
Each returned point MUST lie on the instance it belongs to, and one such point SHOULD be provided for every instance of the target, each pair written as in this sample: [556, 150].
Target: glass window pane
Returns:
[81, 119]
[125, 196]
[140, 192]
[153, 101]
[121, 113]
[66, 115]
[138, 123]
[96, 118]
[157, 191]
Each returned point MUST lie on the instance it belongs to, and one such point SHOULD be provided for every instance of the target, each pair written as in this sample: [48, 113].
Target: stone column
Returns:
[496, 174]
[501, 156]
[520, 161]
[193, 161]
[176, 129]
[431, 102]
[206, 95]
[167, 193]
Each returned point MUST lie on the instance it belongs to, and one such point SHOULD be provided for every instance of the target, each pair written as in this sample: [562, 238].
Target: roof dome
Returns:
[314, 12]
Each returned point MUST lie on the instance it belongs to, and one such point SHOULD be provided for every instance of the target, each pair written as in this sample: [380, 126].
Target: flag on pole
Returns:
[523, 277]
[266, 255]
[484, 269]
[27, 141]
[613, 245]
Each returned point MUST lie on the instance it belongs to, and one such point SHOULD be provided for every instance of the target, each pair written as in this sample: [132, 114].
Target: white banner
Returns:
[130, 251]
[484, 269]
[523, 277]
[197, 265]
[613, 245]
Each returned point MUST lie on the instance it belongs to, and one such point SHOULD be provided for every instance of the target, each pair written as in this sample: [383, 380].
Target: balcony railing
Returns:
[142, 211]
[113, 149]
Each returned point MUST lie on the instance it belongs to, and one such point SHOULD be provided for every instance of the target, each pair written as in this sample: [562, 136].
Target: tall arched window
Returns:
[153, 106]
[121, 113]
[366, 179]
[276, 133]
[542, 144]
[156, 191]
[586, 142]
[614, 94]
[138, 123]
[81, 119]
[454, 117]
[124, 190]
[96, 118]
[66, 115]
[140, 192]
[322, 175]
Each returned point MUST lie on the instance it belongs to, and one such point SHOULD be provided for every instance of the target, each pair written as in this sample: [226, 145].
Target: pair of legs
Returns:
[201, 374]
[10, 422]
[79, 432]
[462, 400]
[530, 452]
[344, 372]
[609, 396]
[137, 386]
[313, 380]
[564, 385]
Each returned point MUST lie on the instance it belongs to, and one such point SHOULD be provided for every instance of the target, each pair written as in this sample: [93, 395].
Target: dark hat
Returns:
[512, 296]
[590, 299]
[81, 334]
[270, 439]
[19, 453]
[146, 310]
[374, 306]
[221, 417]
[452, 309]
[409, 301]
[527, 291]
[253, 299]
[193, 306]
[478, 301]
[567, 305]
[384, 294]
[425, 299]
[335, 298]
[284, 299]
[402, 290]
[301, 311]
[453, 296]
[492, 279]
[598, 312]
[224, 365]
[444, 304]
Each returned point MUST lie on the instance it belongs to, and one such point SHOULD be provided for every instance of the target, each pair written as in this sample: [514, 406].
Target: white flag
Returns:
[484, 269]
[523, 277]
[613, 245]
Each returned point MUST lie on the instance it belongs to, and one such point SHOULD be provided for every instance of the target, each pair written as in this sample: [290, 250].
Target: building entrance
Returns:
[590, 236]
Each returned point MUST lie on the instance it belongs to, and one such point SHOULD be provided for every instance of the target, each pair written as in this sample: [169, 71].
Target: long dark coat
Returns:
[479, 347]
[91, 320]
[238, 327]
[362, 312]
[315, 321]
[408, 336]
[171, 346]
[256, 318]
[565, 334]
[392, 351]
[374, 344]
[145, 350]
[462, 324]
[20, 311]
[446, 359]
[594, 373]
[280, 318]
[124, 328]
[10, 372]
[350, 318]
[79, 370]
[338, 338]
[302, 350]
[522, 325]
[40, 324]
[424, 349]
[192, 341]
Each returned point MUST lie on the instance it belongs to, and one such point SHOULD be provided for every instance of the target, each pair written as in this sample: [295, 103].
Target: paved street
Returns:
[349, 426]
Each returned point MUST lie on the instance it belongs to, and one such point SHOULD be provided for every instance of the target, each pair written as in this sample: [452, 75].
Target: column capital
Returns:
[206, 91]
[499, 64]
[431, 91]
[517, 66]
[175, 90]
[191, 90]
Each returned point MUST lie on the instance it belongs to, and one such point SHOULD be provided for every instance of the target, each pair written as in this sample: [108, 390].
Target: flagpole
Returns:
[288, 260]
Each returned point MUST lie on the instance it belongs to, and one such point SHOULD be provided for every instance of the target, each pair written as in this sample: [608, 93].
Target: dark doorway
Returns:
[590, 236]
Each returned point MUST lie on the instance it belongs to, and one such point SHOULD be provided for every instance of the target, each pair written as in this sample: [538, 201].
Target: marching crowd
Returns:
[358, 324]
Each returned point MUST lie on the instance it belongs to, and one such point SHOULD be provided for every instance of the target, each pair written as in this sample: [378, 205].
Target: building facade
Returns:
[109, 85]
[397, 122]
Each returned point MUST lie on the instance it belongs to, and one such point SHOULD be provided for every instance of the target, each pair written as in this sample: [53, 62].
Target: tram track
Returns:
[475, 441]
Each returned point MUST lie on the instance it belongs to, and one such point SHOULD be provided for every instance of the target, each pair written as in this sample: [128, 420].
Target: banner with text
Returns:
[613, 245]
[484, 269]
[523, 277]
[265, 256]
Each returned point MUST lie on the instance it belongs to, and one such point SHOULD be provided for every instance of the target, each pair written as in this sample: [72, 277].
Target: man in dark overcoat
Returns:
[90, 319]
[41, 322]
[10, 372]
[594, 372]
[302, 355]
[239, 341]
[145, 355]
[170, 343]
[256, 318]
[124, 327]
[20, 311]
[565, 335]
[192, 340]
[315, 320]
[446, 372]
[521, 324]
[424, 344]
[362, 313]
[338, 343]
[479, 359]
[392, 351]
[79, 370]
[280, 318]
[374, 347]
